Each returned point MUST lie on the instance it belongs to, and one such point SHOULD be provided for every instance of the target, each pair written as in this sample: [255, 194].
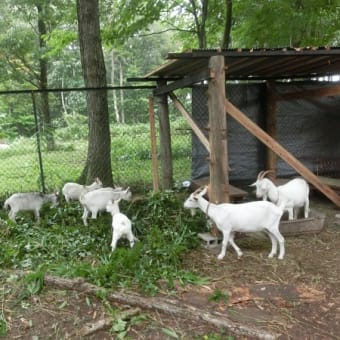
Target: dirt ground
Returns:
[297, 298]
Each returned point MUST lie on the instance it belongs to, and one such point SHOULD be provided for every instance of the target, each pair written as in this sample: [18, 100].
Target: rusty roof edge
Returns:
[206, 53]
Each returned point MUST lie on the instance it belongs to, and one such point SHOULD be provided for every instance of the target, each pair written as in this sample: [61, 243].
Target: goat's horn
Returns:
[266, 173]
[259, 176]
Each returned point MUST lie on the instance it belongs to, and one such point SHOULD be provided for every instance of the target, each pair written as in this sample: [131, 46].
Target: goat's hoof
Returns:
[220, 257]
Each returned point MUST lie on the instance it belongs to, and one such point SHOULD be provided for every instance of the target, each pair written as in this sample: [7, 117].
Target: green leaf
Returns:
[170, 333]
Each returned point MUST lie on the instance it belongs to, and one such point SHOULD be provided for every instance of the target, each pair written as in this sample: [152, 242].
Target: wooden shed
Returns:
[217, 67]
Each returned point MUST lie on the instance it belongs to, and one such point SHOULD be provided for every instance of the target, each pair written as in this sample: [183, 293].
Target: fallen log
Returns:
[164, 305]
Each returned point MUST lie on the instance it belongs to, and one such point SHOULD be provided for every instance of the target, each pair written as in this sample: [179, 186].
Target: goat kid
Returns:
[290, 196]
[243, 217]
[29, 201]
[73, 191]
[96, 200]
[121, 224]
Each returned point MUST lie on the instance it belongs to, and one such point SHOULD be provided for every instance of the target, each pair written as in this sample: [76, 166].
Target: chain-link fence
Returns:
[29, 163]
[308, 129]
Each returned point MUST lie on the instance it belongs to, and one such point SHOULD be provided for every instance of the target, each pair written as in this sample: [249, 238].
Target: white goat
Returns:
[73, 191]
[290, 196]
[96, 200]
[243, 217]
[121, 224]
[29, 201]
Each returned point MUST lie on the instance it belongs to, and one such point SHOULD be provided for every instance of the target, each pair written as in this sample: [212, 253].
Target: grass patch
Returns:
[61, 245]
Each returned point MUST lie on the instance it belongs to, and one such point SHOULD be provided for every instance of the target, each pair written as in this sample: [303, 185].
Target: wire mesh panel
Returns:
[37, 154]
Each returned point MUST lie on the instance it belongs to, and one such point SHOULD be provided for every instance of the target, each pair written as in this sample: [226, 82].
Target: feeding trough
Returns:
[311, 225]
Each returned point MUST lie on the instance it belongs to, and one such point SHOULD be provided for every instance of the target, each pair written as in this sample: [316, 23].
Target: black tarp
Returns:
[308, 128]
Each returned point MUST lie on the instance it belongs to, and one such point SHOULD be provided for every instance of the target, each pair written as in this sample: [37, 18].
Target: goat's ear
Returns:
[253, 184]
[127, 189]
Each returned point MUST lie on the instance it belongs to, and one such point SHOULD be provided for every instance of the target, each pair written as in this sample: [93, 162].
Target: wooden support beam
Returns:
[155, 177]
[310, 94]
[218, 158]
[200, 135]
[183, 82]
[281, 152]
[165, 141]
[271, 124]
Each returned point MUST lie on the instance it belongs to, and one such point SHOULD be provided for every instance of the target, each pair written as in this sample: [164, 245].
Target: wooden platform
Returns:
[314, 224]
[236, 194]
[334, 183]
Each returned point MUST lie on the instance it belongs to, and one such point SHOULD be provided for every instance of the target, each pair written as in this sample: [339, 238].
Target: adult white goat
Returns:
[290, 196]
[29, 201]
[73, 191]
[243, 217]
[96, 200]
[121, 224]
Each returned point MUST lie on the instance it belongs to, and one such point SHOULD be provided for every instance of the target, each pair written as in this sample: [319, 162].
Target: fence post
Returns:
[37, 133]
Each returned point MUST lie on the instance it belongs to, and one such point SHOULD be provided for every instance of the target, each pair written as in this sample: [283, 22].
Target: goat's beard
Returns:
[193, 212]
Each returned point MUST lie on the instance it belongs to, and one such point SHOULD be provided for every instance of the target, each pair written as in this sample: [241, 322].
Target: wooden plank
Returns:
[281, 152]
[218, 158]
[190, 121]
[180, 83]
[314, 224]
[155, 177]
[332, 182]
[307, 94]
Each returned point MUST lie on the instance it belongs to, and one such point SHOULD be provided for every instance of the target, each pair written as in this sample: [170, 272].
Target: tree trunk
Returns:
[43, 82]
[113, 82]
[98, 163]
[121, 81]
[227, 28]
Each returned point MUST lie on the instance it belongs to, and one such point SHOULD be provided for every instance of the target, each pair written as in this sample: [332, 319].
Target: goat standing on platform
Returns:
[290, 196]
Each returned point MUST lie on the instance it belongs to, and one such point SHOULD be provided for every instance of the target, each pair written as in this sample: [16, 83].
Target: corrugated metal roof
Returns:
[257, 64]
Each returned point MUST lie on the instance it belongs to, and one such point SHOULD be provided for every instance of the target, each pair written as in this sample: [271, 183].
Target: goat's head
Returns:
[112, 206]
[192, 201]
[54, 198]
[261, 184]
[127, 194]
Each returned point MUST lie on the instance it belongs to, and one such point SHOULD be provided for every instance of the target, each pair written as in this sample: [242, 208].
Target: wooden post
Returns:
[155, 178]
[218, 159]
[165, 141]
[200, 135]
[271, 126]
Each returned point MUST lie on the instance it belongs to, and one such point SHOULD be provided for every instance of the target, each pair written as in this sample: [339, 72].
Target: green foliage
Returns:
[219, 295]
[61, 245]
[3, 325]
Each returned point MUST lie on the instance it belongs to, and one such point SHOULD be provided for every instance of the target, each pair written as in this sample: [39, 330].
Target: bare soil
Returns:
[297, 298]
